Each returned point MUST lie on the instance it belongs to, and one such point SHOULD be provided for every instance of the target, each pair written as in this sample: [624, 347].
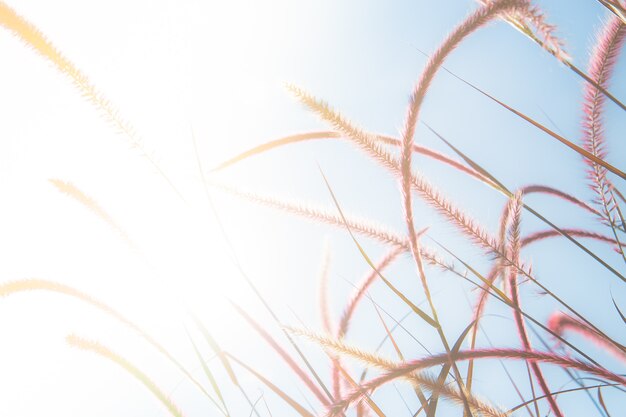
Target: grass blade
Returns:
[294, 404]
[415, 308]
[618, 310]
[418, 391]
[441, 379]
[283, 354]
[601, 400]
[565, 391]
[208, 374]
[555, 135]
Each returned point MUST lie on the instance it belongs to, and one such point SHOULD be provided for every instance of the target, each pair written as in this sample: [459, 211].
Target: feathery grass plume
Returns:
[515, 210]
[477, 405]
[368, 144]
[294, 404]
[366, 141]
[105, 352]
[14, 287]
[601, 64]
[401, 370]
[426, 381]
[372, 360]
[284, 355]
[360, 226]
[534, 17]
[32, 37]
[560, 322]
[92, 205]
[554, 46]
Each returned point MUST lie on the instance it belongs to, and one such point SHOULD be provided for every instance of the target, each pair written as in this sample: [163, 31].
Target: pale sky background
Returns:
[218, 69]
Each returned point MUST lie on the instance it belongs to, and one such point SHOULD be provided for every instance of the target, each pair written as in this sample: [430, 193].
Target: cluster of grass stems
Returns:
[501, 284]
